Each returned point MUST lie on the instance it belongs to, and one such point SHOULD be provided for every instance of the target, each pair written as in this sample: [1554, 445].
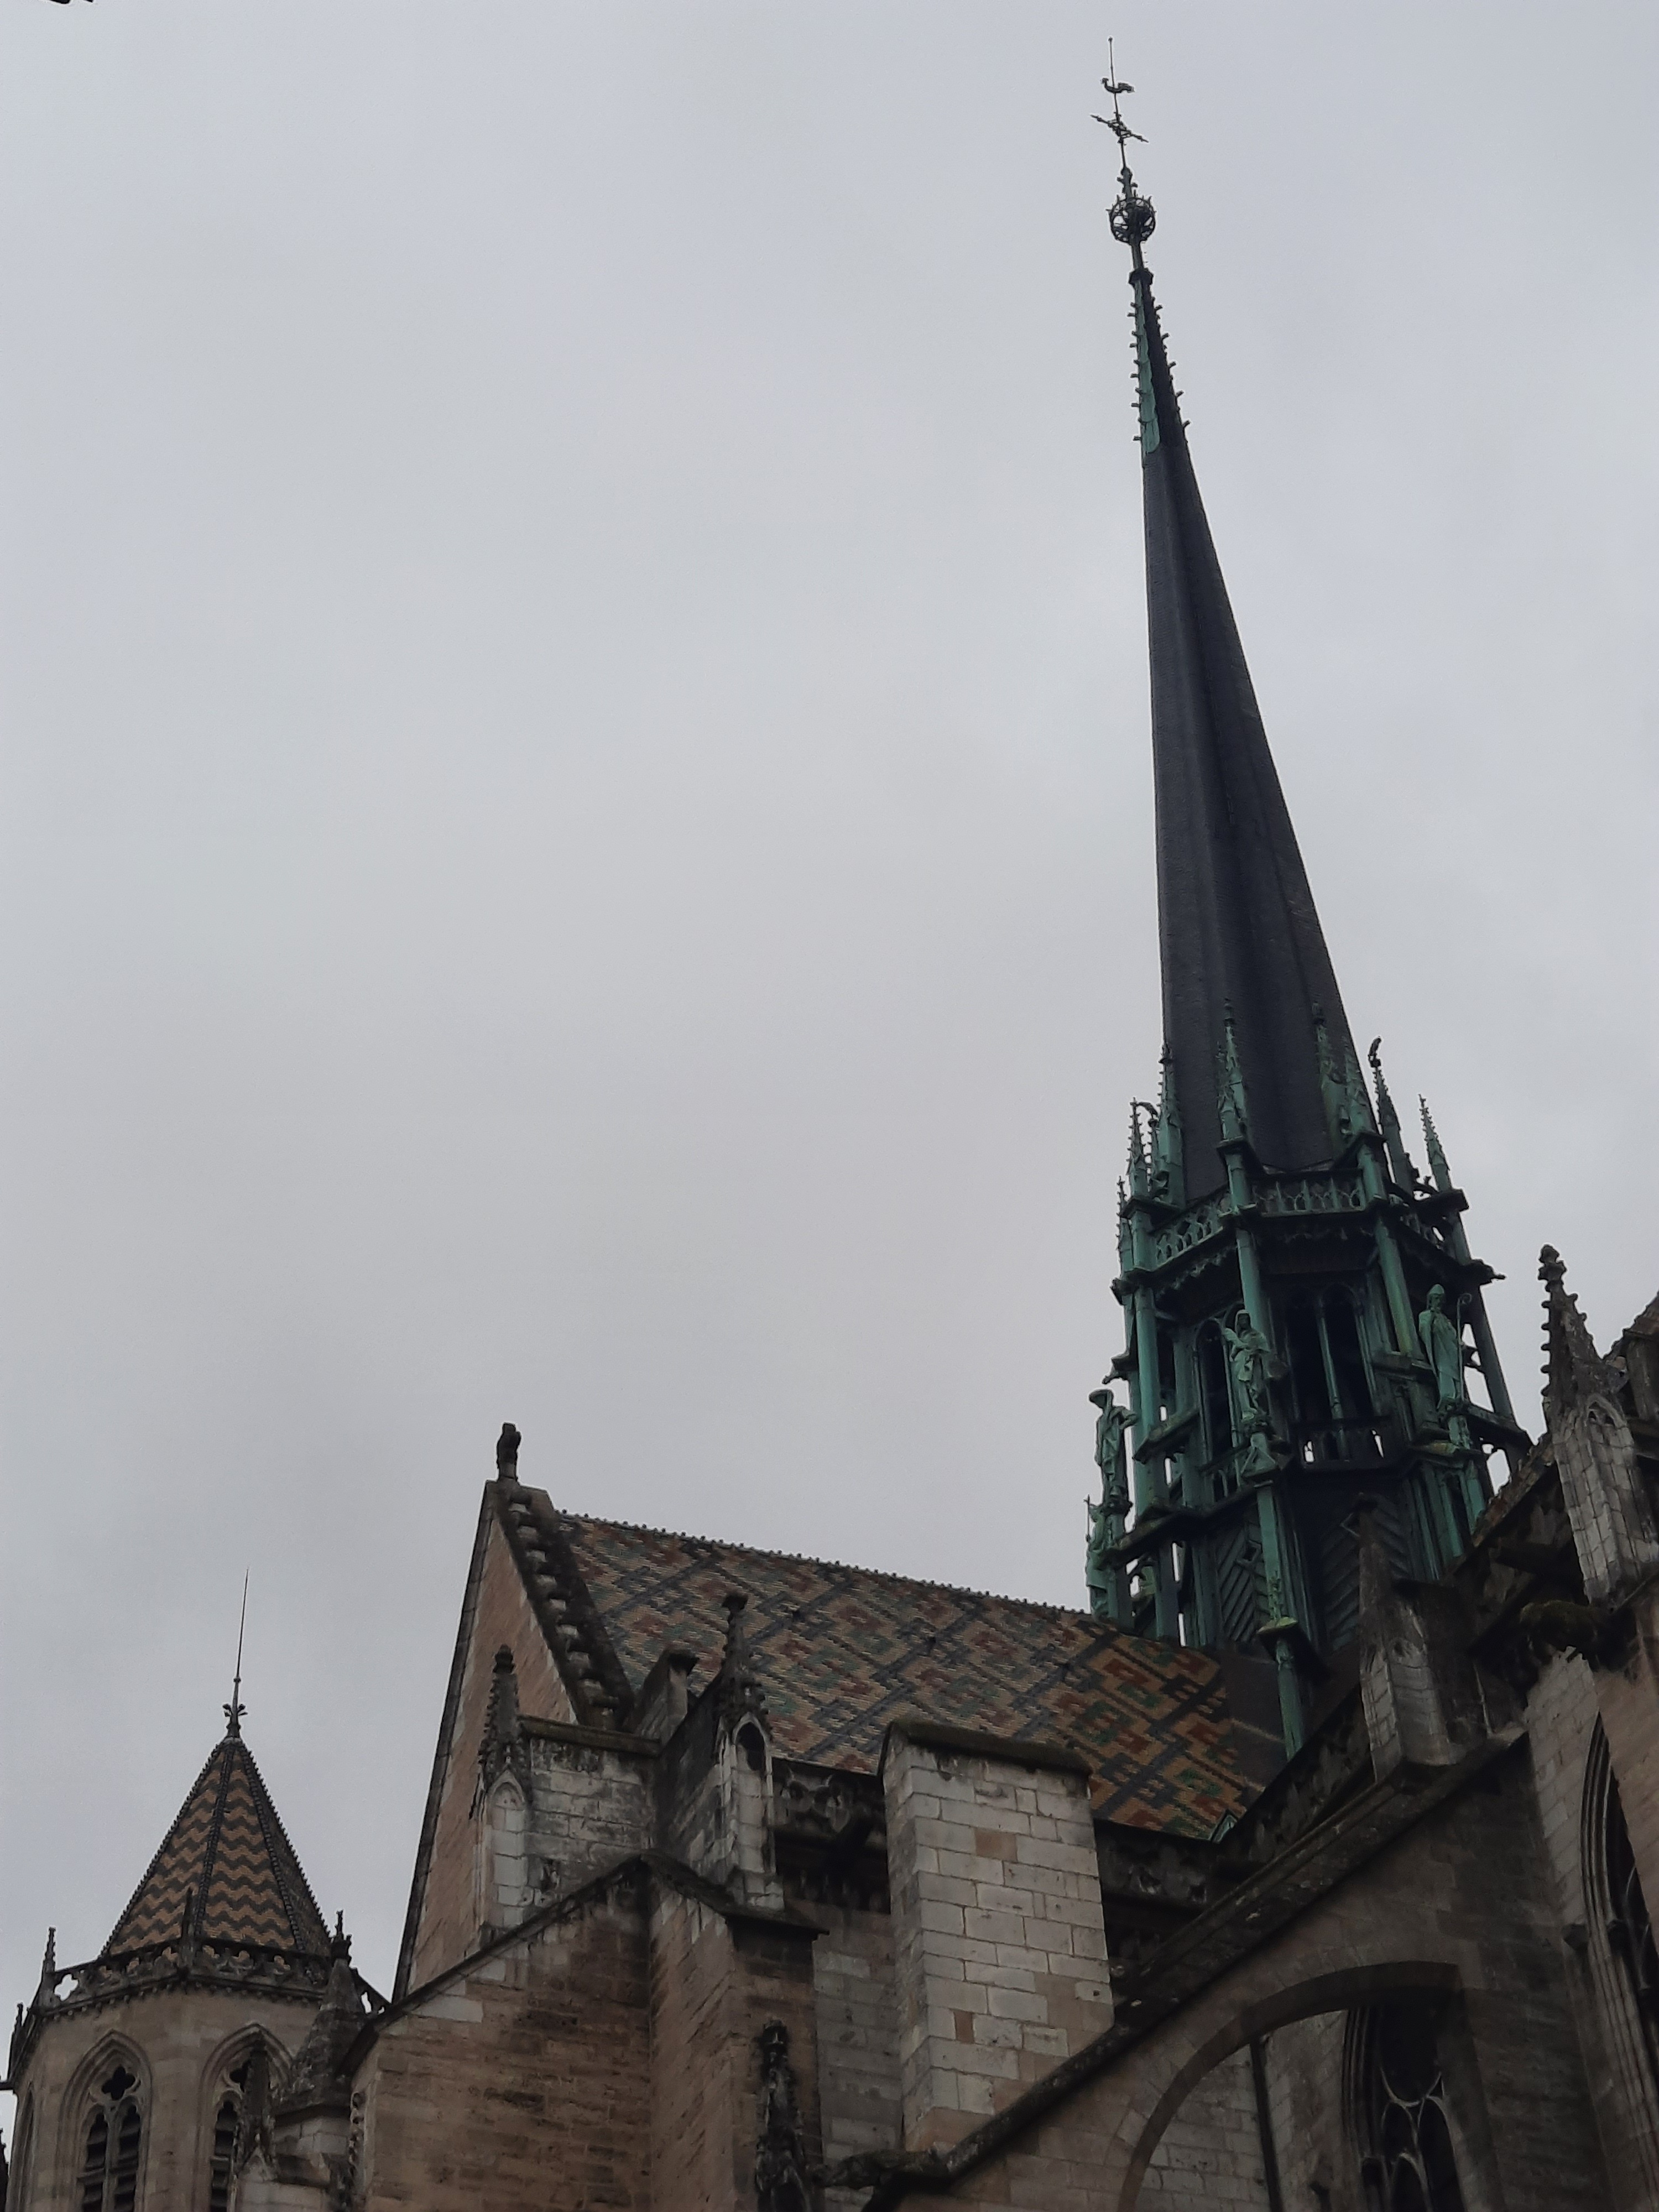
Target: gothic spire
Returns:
[1235, 916]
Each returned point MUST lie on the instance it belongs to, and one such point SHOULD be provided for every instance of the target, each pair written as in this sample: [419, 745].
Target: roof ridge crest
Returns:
[216, 1825]
[285, 1862]
[156, 1856]
[846, 1566]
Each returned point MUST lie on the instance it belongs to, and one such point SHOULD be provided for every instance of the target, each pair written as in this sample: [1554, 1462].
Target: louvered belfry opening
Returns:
[108, 2180]
[226, 2130]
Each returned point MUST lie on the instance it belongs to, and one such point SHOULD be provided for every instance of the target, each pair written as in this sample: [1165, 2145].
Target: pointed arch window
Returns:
[226, 2123]
[1215, 1397]
[114, 2141]
[1310, 1375]
[1407, 2162]
[22, 2156]
[1329, 1381]
[227, 2134]
[1349, 1374]
[1629, 1928]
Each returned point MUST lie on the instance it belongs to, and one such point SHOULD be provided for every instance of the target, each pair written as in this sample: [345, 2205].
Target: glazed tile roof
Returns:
[842, 1651]
[227, 1853]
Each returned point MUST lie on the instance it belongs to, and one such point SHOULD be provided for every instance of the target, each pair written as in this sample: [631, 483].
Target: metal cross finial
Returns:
[1133, 217]
[236, 1709]
[1113, 121]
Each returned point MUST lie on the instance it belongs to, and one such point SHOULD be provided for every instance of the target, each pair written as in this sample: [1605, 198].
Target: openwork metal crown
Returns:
[1132, 218]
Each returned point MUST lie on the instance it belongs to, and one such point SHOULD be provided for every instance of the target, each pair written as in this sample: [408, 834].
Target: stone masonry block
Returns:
[1018, 2004]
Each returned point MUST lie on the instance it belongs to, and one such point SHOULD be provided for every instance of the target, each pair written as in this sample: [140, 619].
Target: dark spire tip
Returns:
[233, 1712]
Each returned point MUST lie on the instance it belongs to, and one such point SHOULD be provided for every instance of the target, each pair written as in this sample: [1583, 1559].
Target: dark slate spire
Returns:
[1273, 1378]
[1236, 923]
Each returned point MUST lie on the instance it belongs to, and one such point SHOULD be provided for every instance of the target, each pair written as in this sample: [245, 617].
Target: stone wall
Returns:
[1563, 1724]
[1302, 2067]
[858, 2038]
[716, 1981]
[523, 2078]
[1000, 1946]
[449, 1915]
[1209, 2158]
[591, 1805]
[1460, 1905]
[182, 2043]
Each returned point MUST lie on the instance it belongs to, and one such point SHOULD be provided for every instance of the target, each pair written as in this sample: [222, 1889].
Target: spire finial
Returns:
[1573, 1368]
[236, 1709]
[1438, 1167]
[1134, 219]
[1387, 1121]
[507, 1453]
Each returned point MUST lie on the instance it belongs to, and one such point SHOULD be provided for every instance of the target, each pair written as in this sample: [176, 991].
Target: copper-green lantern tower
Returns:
[1304, 1317]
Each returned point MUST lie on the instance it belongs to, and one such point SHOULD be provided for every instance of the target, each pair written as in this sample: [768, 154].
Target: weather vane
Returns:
[236, 1709]
[1133, 218]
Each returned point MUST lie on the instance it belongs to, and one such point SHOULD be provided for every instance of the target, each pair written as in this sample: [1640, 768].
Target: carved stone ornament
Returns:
[780, 2182]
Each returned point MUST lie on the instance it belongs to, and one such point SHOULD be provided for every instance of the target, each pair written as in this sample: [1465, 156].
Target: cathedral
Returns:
[1302, 1869]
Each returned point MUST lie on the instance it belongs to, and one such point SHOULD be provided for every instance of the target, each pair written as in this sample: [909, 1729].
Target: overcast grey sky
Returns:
[575, 808]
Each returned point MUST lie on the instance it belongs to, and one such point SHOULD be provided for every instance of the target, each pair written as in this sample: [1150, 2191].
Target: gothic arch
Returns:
[1407, 2103]
[81, 2098]
[503, 1851]
[22, 2155]
[231, 2054]
[1611, 1952]
[238, 2045]
[1344, 1990]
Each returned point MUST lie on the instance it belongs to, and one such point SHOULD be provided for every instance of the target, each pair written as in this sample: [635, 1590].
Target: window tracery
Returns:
[227, 2136]
[108, 2177]
[1408, 2163]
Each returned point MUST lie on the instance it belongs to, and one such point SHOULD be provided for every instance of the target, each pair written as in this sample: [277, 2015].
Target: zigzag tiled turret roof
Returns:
[227, 1855]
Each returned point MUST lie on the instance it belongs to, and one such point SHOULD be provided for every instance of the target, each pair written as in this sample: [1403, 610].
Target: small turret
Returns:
[1613, 1523]
[1437, 1169]
[1394, 1143]
[219, 1958]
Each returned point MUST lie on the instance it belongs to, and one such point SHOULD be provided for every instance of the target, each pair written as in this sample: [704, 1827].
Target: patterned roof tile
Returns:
[227, 1855]
[842, 1651]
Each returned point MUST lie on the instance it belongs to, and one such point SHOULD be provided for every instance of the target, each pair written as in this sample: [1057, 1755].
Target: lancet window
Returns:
[226, 2128]
[1330, 1386]
[23, 2155]
[1408, 2163]
[1215, 1399]
[1630, 1928]
[108, 2179]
